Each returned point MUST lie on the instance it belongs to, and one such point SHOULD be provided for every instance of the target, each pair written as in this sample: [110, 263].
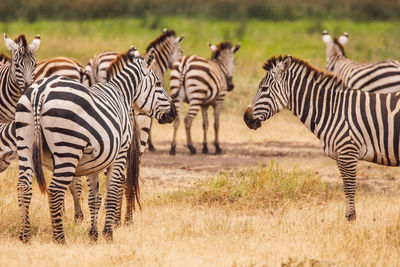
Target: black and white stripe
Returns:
[202, 83]
[85, 131]
[16, 75]
[377, 77]
[353, 125]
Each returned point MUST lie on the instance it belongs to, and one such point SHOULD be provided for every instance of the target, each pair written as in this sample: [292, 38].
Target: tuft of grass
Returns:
[264, 187]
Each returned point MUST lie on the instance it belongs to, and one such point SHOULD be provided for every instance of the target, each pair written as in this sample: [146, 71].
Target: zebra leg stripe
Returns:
[24, 188]
[217, 111]
[117, 221]
[204, 110]
[193, 110]
[76, 190]
[347, 164]
[94, 202]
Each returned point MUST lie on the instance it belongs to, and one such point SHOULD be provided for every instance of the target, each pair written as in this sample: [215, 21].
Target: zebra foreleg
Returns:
[204, 110]
[76, 190]
[114, 174]
[149, 140]
[94, 204]
[173, 143]
[347, 164]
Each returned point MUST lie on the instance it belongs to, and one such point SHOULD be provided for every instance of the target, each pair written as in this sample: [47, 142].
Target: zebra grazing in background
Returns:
[16, 75]
[168, 51]
[85, 131]
[382, 77]
[63, 66]
[202, 83]
[354, 125]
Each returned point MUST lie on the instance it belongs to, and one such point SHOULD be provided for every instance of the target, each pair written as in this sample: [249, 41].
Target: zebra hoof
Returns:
[351, 217]
[205, 149]
[172, 152]
[93, 234]
[78, 217]
[60, 239]
[117, 222]
[108, 235]
[192, 150]
[151, 148]
[25, 237]
[128, 220]
[218, 150]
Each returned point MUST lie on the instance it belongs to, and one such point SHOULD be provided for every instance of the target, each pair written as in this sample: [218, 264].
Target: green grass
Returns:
[265, 187]
[260, 40]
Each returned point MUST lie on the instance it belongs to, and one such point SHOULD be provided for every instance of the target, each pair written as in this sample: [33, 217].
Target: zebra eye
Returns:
[158, 84]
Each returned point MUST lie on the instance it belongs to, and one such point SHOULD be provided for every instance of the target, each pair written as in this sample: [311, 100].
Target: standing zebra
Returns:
[382, 77]
[353, 125]
[168, 51]
[16, 75]
[85, 131]
[202, 83]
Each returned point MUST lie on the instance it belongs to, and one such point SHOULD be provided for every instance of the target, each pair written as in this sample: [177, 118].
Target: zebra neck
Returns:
[313, 97]
[163, 57]
[10, 86]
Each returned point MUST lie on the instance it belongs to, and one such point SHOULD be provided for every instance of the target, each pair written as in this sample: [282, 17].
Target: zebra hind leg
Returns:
[204, 110]
[192, 112]
[117, 220]
[217, 111]
[24, 198]
[347, 166]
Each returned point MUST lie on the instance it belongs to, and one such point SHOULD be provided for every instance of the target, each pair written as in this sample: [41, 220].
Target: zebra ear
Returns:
[10, 44]
[236, 48]
[35, 43]
[133, 52]
[164, 30]
[213, 47]
[150, 56]
[284, 65]
[326, 37]
[179, 39]
[343, 39]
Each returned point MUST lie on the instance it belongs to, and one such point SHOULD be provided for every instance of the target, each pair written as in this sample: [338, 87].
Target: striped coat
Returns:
[202, 83]
[353, 125]
[86, 131]
[377, 77]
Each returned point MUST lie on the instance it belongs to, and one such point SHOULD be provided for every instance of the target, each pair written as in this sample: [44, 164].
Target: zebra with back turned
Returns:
[17, 74]
[85, 131]
[382, 77]
[353, 125]
[202, 83]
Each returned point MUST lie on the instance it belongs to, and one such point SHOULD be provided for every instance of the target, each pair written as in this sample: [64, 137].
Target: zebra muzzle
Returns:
[169, 116]
[230, 83]
[250, 121]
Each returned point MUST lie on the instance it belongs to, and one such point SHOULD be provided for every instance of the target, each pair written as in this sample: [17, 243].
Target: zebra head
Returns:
[152, 99]
[272, 94]
[175, 47]
[23, 61]
[334, 48]
[223, 54]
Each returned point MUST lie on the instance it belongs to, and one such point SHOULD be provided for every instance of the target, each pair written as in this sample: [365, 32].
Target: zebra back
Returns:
[63, 66]
[377, 77]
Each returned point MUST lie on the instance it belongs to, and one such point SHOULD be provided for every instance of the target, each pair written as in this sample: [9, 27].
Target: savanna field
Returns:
[272, 198]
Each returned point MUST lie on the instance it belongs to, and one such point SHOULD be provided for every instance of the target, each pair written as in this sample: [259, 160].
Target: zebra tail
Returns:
[38, 150]
[133, 168]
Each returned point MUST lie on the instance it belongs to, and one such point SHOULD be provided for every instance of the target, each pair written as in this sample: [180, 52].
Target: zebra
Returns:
[382, 77]
[353, 125]
[63, 66]
[168, 51]
[85, 131]
[17, 74]
[202, 83]
[4, 58]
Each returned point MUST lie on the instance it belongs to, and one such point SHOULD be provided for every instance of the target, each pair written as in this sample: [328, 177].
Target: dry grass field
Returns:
[271, 199]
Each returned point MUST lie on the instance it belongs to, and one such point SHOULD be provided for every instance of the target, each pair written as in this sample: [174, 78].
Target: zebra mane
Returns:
[221, 46]
[336, 41]
[21, 40]
[318, 74]
[4, 57]
[120, 59]
[161, 39]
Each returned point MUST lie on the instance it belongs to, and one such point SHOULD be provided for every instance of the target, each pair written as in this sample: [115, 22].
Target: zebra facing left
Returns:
[377, 77]
[86, 130]
[16, 74]
[353, 125]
